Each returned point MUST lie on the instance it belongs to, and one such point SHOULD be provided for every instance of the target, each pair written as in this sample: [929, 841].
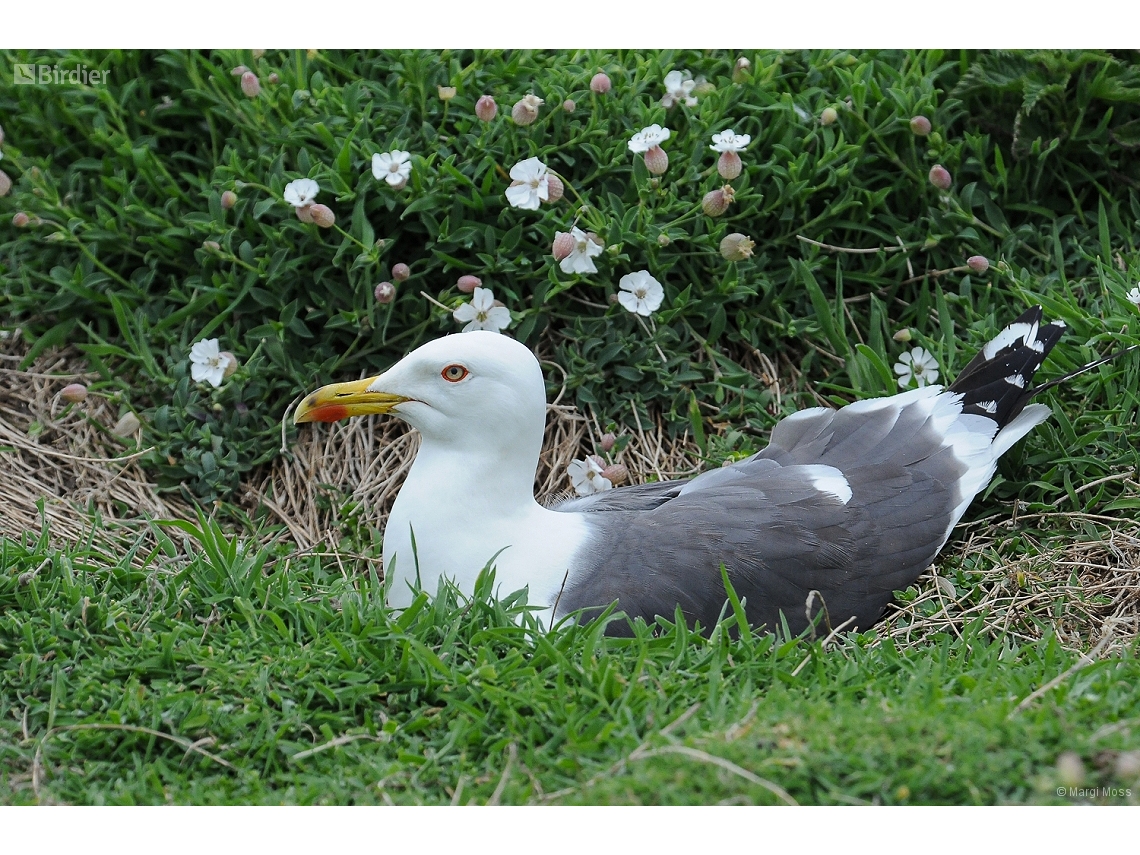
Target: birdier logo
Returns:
[25, 73]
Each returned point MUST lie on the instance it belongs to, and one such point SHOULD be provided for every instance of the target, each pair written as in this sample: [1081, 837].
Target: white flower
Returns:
[302, 192]
[580, 258]
[530, 184]
[679, 87]
[730, 141]
[918, 364]
[207, 362]
[1134, 296]
[586, 476]
[392, 166]
[647, 138]
[482, 313]
[642, 293]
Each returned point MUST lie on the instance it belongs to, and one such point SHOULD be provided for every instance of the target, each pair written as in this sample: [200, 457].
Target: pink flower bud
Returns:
[978, 263]
[20, 219]
[716, 202]
[401, 271]
[920, 125]
[468, 283]
[526, 111]
[569, 106]
[563, 245]
[902, 335]
[656, 160]
[273, 78]
[305, 214]
[74, 393]
[229, 199]
[728, 165]
[554, 187]
[249, 85]
[600, 83]
[607, 442]
[5, 183]
[615, 473]
[736, 247]
[486, 108]
[211, 246]
[239, 71]
[322, 215]
[385, 292]
[600, 461]
[940, 177]
[231, 364]
[829, 116]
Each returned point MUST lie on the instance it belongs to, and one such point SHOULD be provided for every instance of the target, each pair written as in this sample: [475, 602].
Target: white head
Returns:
[477, 393]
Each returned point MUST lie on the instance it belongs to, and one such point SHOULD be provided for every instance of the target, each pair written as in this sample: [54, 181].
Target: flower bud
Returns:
[401, 272]
[742, 70]
[304, 214]
[127, 426]
[526, 111]
[322, 215]
[249, 85]
[258, 53]
[716, 202]
[446, 93]
[829, 116]
[703, 87]
[902, 335]
[1070, 769]
[239, 71]
[569, 106]
[616, 473]
[736, 247]
[74, 393]
[607, 441]
[940, 177]
[229, 199]
[486, 108]
[664, 239]
[554, 187]
[211, 246]
[273, 78]
[231, 364]
[978, 263]
[597, 459]
[468, 283]
[385, 292]
[600, 83]
[1, 136]
[5, 183]
[728, 165]
[563, 245]
[920, 125]
[20, 219]
[656, 160]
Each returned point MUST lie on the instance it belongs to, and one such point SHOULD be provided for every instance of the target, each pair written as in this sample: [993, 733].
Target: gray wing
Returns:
[853, 503]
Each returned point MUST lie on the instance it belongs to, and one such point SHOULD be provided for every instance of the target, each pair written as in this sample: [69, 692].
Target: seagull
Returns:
[844, 506]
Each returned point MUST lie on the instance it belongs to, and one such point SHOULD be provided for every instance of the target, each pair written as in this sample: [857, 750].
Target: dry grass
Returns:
[70, 469]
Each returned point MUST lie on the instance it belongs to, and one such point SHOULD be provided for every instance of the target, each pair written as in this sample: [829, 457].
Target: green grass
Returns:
[198, 665]
[207, 674]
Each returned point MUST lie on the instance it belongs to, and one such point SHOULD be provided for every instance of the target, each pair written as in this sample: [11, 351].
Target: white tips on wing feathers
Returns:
[1012, 334]
[828, 479]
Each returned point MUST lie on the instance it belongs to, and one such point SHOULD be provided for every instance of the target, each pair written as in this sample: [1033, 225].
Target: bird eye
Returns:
[454, 373]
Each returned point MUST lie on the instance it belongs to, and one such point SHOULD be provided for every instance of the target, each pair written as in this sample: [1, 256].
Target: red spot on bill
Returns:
[328, 413]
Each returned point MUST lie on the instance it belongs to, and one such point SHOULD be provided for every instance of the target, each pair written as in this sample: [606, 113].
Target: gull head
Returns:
[470, 390]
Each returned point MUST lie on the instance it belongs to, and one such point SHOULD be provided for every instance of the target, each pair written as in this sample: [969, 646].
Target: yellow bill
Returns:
[341, 400]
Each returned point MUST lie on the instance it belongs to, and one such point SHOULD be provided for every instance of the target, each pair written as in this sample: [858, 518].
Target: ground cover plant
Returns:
[696, 244]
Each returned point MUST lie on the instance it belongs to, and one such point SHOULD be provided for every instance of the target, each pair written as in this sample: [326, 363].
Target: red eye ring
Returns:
[453, 373]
